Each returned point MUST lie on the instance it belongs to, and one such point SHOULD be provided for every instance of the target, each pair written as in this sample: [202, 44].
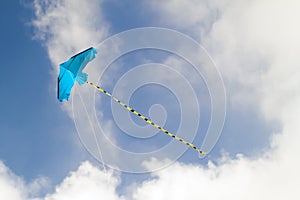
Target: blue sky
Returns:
[39, 139]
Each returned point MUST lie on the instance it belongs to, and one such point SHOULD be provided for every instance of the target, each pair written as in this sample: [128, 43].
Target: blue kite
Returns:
[71, 71]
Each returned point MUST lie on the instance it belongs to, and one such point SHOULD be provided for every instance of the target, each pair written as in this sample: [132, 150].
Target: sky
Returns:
[52, 150]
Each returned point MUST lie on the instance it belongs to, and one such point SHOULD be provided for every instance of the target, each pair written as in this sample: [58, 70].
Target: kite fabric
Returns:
[71, 71]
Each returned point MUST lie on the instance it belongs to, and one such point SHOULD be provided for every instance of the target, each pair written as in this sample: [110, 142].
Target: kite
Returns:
[71, 71]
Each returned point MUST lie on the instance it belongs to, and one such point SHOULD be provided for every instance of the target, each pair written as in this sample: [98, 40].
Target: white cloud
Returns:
[244, 38]
[13, 187]
[274, 175]
[88, 182]
[68, 26]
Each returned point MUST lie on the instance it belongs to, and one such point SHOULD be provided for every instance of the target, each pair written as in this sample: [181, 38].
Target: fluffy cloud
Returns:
[274, 175]
[247, 40]
[14, 187]
[67, 27]
[88, 182]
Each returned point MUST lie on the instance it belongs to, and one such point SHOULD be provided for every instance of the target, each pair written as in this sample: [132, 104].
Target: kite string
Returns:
[147, 119]
[94, 134]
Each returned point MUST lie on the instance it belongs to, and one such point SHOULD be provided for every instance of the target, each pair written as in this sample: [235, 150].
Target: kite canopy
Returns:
[71, 71]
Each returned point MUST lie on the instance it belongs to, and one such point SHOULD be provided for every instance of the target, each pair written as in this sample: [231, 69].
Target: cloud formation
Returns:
[66, 27]
[14, 187]
[88, 182]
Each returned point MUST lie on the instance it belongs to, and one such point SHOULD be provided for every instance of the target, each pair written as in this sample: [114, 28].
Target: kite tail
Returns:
[147, 119]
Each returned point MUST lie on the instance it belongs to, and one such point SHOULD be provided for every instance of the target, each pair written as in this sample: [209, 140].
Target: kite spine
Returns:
[147, 119]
